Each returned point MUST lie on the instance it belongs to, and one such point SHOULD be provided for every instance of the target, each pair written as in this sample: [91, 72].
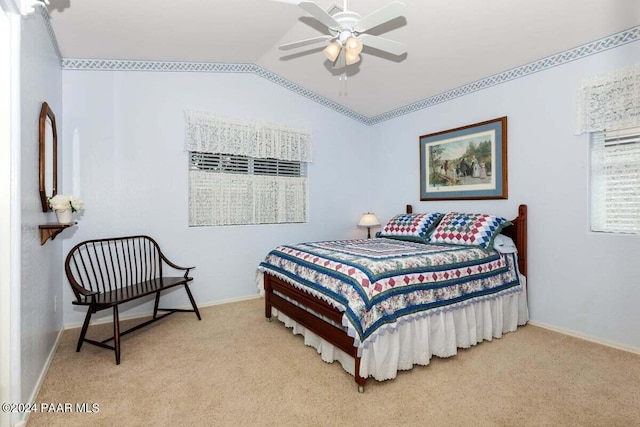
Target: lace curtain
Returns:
[234, 199]
[223, 198]
[206, 132]
[610, 101]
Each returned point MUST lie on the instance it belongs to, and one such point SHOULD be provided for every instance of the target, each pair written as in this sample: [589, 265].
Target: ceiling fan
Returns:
[347, 32]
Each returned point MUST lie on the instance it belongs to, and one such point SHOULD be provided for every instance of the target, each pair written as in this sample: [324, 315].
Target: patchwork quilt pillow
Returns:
[468, 229]
[414, 227]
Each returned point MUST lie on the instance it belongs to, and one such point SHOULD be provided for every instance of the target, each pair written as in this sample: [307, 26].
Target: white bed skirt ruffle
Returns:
[414, 342]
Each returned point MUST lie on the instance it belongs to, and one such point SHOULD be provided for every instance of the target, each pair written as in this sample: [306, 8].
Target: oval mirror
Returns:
[48, 156]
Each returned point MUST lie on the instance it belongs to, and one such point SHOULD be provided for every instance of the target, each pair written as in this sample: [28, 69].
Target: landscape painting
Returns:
[469, 162]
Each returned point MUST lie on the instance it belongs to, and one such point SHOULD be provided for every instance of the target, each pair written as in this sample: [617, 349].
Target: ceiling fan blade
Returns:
[304, 42]
[380, 16]
[322, 16]
[386, 45]
[340, 61]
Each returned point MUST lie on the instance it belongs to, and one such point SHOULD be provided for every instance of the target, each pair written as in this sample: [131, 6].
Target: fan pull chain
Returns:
[343, 85]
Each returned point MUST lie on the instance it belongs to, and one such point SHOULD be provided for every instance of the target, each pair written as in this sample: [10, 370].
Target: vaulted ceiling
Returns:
[451, 42]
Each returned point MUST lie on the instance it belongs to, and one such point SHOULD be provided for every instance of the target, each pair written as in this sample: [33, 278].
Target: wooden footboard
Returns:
[338, 336]
[333, 334]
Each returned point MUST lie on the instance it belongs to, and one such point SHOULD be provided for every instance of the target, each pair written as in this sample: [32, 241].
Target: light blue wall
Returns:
[127, 133]
[582, 282]
[41, 266]
[124, 139]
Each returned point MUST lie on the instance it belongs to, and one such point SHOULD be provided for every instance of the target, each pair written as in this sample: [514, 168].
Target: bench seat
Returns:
[129, 293]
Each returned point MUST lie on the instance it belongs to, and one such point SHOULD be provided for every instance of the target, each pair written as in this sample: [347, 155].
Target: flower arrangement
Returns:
[61, 202]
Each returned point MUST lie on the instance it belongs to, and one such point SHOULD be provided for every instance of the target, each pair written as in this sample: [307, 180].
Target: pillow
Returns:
[468, 229]
[504, 244]
[414, 227]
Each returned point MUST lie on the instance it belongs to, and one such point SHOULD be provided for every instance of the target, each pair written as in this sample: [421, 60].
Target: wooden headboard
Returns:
[517, 232]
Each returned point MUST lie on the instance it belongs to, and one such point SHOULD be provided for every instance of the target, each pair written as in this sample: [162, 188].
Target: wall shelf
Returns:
[51, 230]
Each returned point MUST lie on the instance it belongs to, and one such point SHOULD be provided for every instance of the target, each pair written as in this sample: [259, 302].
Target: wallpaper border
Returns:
[615, 40]
[52, 35]
[588, 49]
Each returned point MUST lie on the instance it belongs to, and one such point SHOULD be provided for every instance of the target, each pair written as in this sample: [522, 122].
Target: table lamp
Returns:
[368, 220]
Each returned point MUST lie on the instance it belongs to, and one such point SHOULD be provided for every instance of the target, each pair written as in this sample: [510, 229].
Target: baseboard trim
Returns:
[229, 301]
[41, 377]
[589, 338]
[134, 316]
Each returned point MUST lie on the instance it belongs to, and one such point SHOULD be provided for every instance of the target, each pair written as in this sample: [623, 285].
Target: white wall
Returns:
[8, 259]
[583, 282]
[123, 147]
[41, 266]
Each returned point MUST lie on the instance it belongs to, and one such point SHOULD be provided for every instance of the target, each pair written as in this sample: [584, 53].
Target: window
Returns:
[229, 189]
[615, 181]
[245, 172]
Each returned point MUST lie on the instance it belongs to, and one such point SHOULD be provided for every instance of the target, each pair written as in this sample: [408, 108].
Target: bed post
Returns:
[267, 296]
[521, 239]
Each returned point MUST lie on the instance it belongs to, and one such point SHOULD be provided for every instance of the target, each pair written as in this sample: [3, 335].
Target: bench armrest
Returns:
[177, 267]
[86, 294]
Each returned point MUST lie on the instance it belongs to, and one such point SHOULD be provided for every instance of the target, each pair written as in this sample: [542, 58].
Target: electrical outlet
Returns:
[55, 303]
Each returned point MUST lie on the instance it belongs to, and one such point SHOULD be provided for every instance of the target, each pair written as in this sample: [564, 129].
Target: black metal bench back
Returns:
[105, 265]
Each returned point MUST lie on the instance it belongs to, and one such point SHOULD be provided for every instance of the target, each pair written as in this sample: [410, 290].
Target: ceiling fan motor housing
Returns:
[347, 21]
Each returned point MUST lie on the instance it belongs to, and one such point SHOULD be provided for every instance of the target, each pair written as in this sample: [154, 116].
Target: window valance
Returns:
[206, 132]
[610, 101]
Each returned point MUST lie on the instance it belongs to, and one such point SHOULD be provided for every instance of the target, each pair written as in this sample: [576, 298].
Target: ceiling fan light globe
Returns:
[351, 59]
[354, 46]
[332, 51]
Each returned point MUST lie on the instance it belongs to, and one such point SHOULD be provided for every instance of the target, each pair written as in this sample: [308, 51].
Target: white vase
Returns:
[65, 216]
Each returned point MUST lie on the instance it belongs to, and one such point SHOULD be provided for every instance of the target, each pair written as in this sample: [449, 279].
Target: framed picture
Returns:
[469, 162]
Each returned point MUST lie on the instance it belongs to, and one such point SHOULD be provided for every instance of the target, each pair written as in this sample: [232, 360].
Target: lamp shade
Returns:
[354, 46]
[351, 59]
[332, 50]
[368, 220]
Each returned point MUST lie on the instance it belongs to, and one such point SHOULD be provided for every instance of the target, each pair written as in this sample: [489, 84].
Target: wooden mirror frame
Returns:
[45, 112]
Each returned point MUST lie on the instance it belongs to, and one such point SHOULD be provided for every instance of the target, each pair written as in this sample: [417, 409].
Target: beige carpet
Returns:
[235, 368]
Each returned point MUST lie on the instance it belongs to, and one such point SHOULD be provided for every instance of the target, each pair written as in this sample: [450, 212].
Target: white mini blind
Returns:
[215, 162]
[615, 181]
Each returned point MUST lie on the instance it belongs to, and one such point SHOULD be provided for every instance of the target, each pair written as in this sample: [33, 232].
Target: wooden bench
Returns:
[105, 273]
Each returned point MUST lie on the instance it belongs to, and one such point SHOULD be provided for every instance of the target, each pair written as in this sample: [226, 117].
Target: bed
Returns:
[382, 305]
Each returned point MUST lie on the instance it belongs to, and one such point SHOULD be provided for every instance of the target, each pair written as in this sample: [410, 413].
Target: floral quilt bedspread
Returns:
[380, 282]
